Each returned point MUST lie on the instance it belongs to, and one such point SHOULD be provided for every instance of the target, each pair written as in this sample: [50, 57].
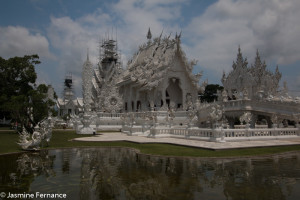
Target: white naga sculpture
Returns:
[42, 132]
[26, 143]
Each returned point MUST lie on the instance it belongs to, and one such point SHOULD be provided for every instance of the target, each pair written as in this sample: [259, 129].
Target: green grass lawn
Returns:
[5, 128]
[62, 139]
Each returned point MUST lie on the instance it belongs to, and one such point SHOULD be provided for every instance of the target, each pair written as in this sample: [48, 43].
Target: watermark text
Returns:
[36, 195]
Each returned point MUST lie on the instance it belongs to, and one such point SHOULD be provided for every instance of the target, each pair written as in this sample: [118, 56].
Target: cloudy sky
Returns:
[60, 31]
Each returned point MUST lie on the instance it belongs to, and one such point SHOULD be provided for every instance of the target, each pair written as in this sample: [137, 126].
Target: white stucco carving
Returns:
[245, 82]
[105, 94]
[246, 117]
[87, 84]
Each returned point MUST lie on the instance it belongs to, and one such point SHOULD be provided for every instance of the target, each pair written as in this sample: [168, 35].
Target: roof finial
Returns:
[257, 53]
[149, 35]
[87, 55]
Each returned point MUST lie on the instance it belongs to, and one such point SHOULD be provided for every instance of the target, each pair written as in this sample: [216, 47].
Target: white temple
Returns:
[255, 81]
[157, 75]
[157, 96]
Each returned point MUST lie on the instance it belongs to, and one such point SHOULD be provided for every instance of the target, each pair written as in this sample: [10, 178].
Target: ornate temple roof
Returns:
[149, 65]
[257, 77]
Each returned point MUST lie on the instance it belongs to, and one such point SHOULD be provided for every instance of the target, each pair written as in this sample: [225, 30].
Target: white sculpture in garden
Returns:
[42, 133]
[26, 143]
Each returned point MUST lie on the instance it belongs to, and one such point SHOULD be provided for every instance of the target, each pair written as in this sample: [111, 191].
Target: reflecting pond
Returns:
[121, 173]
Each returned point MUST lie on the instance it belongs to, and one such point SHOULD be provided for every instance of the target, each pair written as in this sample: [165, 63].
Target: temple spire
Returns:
[257, 59]
[87, 55]
[240, 61]
[149, 35]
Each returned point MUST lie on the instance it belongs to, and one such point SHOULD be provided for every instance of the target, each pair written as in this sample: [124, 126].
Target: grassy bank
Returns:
[62, 139]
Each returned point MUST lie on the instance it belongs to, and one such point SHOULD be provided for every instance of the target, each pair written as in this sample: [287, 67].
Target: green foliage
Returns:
[210, 93]
[20, 98]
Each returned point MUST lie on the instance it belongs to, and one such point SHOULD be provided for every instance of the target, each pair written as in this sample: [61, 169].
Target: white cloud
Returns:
[72, 39]
[136, 16]
[19, 41]
[272, 26]
[131, 17]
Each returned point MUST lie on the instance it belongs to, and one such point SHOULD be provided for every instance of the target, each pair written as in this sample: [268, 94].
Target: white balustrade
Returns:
[227, 134]
[162, 128]
[281, 108]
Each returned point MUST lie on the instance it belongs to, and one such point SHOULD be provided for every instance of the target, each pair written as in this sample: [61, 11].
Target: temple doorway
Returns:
[174, 92]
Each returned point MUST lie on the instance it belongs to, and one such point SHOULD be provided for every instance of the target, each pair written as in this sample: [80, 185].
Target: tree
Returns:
[210, 93]
[20, 98]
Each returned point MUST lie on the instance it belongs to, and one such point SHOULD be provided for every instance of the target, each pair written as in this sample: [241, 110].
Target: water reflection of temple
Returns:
[120, 173]
[153, 177]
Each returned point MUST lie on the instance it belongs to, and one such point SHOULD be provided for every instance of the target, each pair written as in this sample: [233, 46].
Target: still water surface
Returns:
[120, 173]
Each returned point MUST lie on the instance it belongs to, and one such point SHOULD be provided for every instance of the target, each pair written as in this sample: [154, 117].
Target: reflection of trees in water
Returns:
[19, 170]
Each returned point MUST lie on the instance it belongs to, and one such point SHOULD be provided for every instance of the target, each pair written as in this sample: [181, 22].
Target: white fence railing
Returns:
[222, 135]
[260, 132]
[142, 114]
[270, 107]
[109, 115]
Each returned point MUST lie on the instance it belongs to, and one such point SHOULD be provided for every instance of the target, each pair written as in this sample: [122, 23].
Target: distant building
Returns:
[68, 105]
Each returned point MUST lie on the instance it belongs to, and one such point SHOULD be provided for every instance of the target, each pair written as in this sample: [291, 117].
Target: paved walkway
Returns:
[108, 137]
